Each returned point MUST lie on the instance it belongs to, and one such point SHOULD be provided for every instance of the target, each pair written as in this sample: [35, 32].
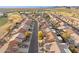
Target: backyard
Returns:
[3, 20]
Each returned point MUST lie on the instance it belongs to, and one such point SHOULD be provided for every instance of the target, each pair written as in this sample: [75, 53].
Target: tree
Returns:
[8, 29]
[65, 35]
[46, 16]
[72, 49]
[14, 17]
[40, 38]
[55, 24]
[2, 42]
[40, 35]
[27, 34]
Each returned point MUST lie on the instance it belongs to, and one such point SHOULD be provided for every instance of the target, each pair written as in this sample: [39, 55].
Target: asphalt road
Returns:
[34, 39]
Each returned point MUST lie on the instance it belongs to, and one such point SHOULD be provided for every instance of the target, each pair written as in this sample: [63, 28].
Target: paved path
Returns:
[34, 39]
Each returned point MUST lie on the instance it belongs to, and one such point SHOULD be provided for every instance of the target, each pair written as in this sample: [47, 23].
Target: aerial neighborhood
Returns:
[39, 30]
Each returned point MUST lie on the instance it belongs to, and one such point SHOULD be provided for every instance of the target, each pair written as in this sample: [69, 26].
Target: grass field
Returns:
[3, 20]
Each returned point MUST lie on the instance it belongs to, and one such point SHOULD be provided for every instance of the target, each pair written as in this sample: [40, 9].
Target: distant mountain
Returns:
[37, 6]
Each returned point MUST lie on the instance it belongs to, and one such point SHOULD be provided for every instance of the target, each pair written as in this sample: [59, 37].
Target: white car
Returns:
[53, 30]
[60, 38]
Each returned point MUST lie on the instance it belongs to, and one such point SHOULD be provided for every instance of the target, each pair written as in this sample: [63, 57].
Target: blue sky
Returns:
[26, 6]
[33, 6]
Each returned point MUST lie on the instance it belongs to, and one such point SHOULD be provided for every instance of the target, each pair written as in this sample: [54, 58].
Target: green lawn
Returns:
[3, 20]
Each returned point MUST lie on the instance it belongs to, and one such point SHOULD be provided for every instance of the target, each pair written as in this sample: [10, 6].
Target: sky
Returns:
[26, 6]
[39, 2]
